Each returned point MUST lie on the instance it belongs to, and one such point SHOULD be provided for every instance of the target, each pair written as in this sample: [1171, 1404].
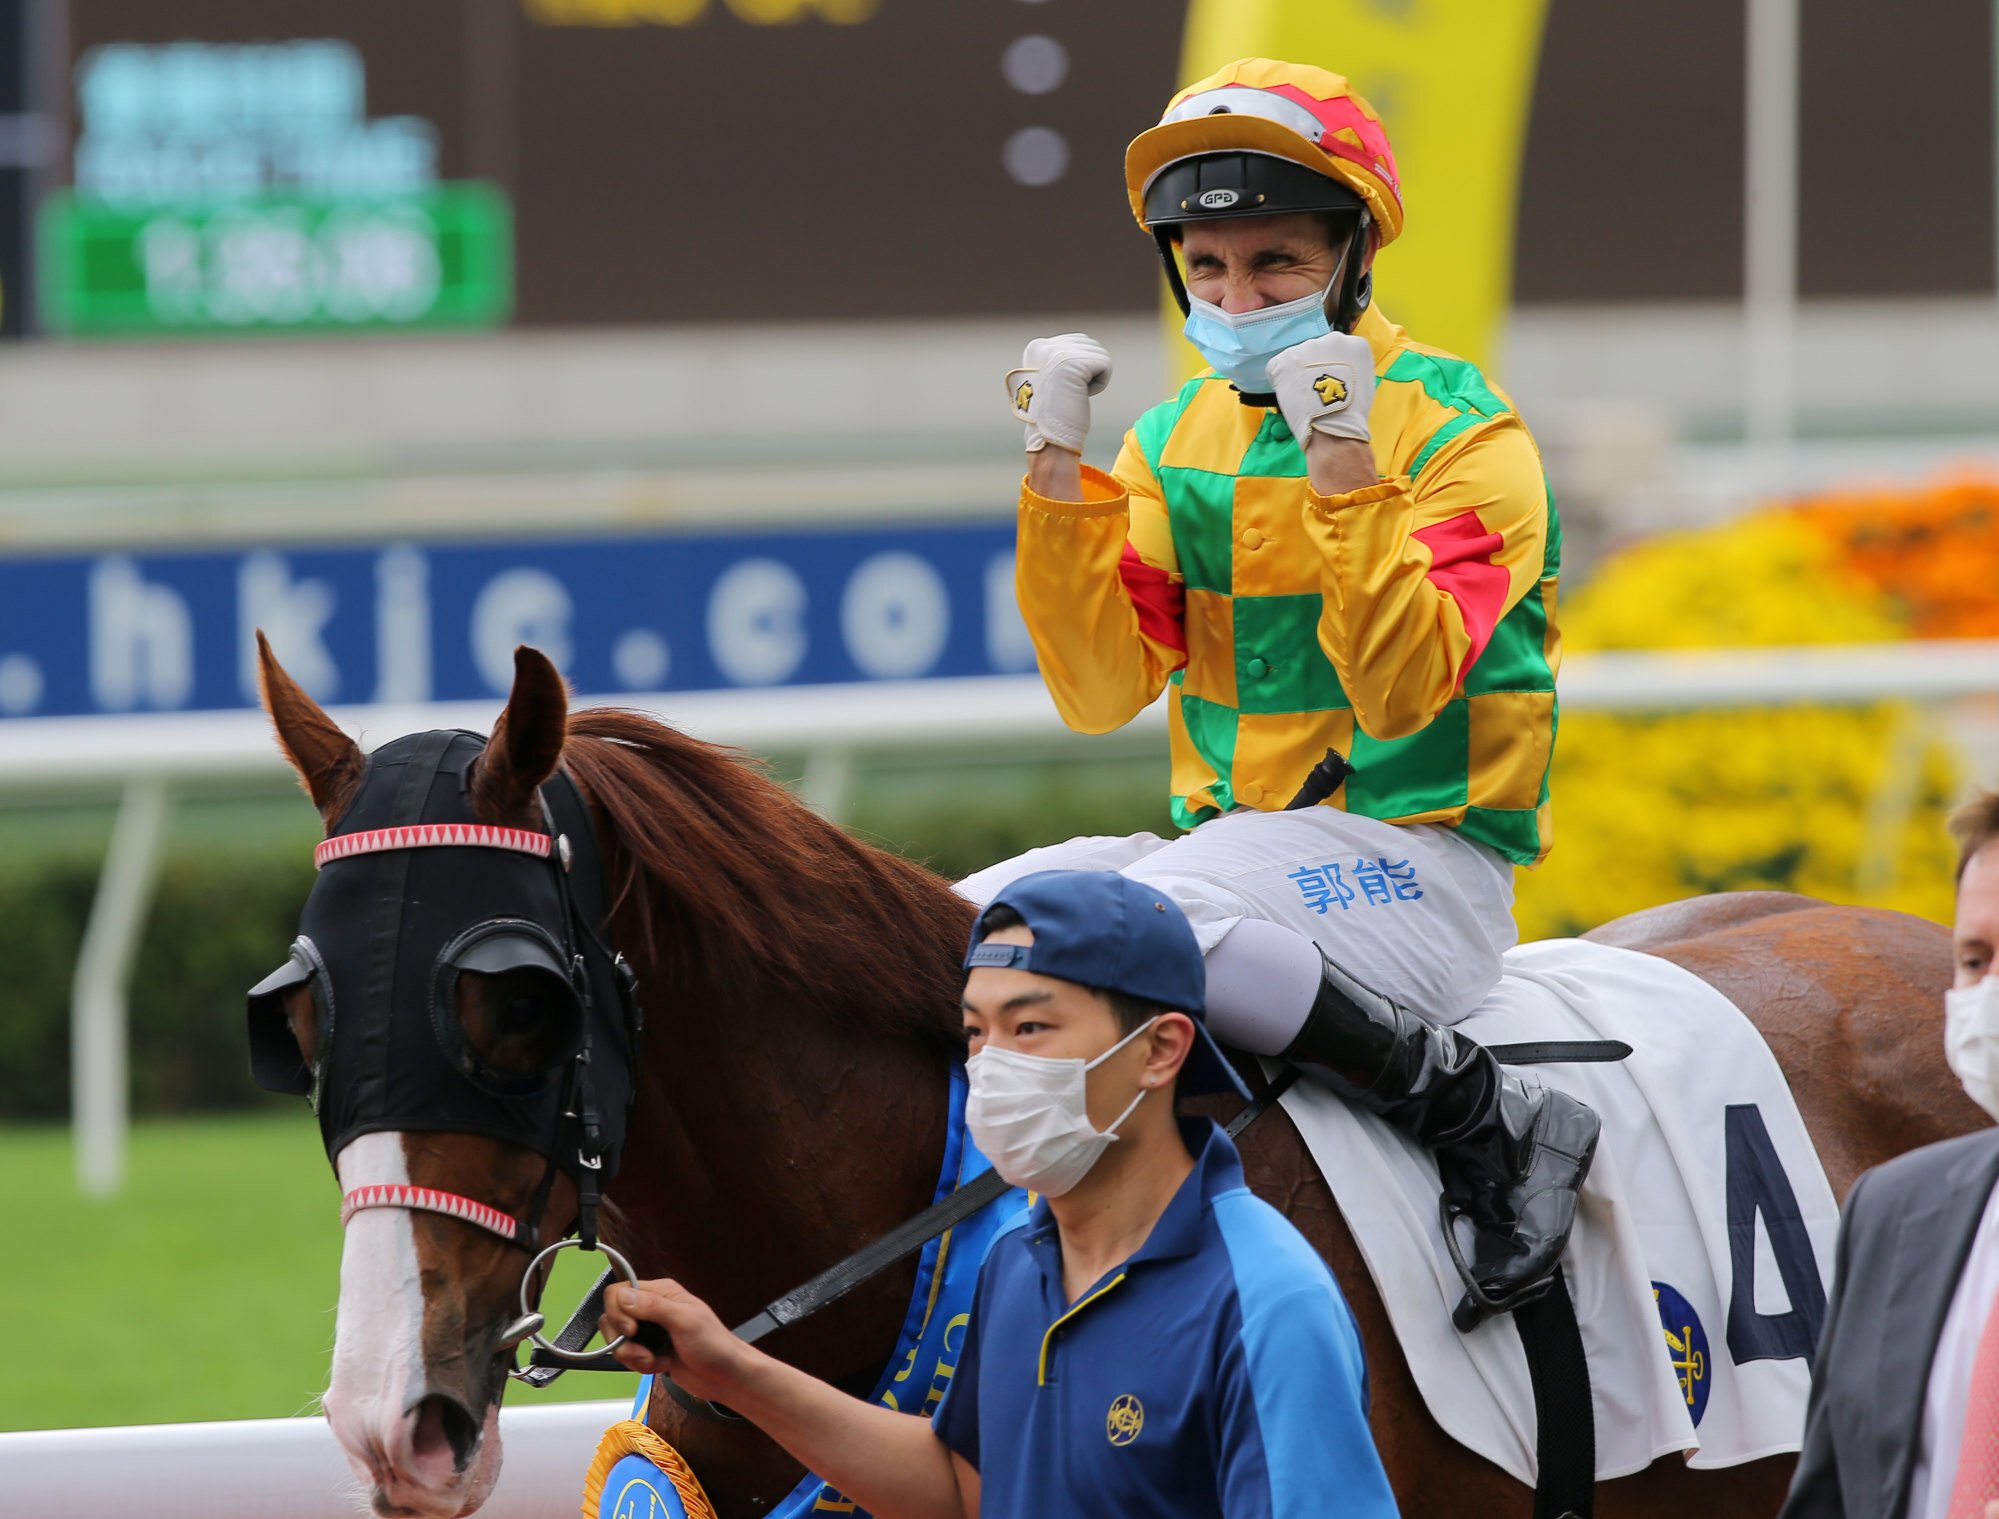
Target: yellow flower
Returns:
[1845, 803]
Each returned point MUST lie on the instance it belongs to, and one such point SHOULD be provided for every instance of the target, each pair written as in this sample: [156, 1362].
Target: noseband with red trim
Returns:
[431, 1200]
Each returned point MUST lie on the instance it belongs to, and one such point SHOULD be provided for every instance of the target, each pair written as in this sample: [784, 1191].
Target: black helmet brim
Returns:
[1216, 186]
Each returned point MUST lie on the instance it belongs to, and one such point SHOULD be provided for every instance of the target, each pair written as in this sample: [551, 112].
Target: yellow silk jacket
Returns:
[1409, 625]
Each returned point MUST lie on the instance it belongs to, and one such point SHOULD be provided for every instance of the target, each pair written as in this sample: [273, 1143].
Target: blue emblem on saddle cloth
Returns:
[1686, 1348]
[933, 1331]
[636, 1489]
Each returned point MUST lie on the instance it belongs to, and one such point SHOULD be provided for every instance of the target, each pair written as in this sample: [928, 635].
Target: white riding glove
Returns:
[1051, 390]
[1325, 385]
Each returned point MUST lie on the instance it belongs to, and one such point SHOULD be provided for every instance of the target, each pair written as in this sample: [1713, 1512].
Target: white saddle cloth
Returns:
[1655, 1214]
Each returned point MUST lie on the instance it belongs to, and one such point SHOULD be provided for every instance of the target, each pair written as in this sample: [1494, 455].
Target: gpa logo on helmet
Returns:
[1125, 1420]
[1217, 200]
[1332, 389]
[1022, 395]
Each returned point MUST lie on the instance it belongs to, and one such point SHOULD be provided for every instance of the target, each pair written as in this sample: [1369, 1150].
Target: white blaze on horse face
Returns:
[378, 1368]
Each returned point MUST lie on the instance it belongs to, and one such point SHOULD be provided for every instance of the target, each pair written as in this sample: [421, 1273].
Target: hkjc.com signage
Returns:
[231, 187]
[418, 622]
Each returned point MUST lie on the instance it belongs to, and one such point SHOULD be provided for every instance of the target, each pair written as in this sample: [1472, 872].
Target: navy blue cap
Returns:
[1107, 931]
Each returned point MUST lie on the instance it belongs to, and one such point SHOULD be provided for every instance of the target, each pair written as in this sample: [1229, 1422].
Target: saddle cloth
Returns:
[1703, 1244]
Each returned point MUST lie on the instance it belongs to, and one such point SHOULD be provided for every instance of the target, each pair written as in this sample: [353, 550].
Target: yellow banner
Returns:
[1452, 81]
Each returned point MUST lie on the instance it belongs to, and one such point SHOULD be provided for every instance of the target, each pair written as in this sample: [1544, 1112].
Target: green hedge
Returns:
[220, 924]
[215, 929]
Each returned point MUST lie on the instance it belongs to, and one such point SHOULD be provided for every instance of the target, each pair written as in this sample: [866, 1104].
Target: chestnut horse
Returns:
[801, 994]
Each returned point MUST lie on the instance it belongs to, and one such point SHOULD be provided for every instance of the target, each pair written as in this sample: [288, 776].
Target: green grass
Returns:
[205, 1291]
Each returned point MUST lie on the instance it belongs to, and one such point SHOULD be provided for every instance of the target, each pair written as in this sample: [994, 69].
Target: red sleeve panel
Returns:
[1464, 566]
[1161, 605]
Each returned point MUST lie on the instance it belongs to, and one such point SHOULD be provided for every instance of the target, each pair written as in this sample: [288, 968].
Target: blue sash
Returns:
[918, 1374]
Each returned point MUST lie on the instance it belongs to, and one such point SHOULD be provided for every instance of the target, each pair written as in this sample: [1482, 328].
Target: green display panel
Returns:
[441, 256]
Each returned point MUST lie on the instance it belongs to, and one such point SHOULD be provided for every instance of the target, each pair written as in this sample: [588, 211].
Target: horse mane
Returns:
[740, 885]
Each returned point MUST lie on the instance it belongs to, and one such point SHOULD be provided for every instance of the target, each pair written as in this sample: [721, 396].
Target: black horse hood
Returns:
[413, 891]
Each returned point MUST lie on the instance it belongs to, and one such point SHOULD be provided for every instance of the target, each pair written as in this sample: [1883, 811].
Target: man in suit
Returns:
[1904, 1415]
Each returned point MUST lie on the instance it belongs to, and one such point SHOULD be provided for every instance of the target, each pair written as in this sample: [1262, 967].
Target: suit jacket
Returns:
[1904, 1239]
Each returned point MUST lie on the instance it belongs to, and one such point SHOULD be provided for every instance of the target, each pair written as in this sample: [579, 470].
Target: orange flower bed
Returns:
[1935, 550]
[1846, 803]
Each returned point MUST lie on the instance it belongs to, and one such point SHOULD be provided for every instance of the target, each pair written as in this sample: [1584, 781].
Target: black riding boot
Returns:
[1512, 1157]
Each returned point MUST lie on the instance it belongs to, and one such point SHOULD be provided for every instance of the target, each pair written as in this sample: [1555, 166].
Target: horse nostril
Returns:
[441, 1422]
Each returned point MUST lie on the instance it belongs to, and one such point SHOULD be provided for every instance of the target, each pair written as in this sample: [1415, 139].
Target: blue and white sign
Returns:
[418, 622]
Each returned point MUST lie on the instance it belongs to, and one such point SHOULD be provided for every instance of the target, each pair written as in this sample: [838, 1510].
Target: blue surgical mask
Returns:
[1240, 345]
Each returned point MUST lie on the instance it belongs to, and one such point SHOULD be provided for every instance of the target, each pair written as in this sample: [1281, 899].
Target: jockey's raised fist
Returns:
[1051, 390]
[1325, 386]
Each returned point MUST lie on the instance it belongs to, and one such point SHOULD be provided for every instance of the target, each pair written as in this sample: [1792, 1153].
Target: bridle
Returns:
[578, 1113]
[582, 949]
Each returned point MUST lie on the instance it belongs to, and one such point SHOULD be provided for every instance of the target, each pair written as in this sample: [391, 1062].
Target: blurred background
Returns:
[667, 335]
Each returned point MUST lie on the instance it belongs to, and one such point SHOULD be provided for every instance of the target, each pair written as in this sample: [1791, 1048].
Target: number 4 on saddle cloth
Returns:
[1703, 1243]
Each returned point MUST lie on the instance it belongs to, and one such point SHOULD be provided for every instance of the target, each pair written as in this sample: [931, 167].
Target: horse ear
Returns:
[527, 741]
[328, 762]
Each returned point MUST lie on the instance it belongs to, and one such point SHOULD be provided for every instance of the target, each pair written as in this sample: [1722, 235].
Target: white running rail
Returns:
[1002, 712]
[273, 1468]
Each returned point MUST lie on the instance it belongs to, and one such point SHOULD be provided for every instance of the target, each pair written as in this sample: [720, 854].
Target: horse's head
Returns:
[467, 1038]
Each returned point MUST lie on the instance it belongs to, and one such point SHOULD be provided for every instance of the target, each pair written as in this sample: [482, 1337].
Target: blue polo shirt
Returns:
[1217, 1371]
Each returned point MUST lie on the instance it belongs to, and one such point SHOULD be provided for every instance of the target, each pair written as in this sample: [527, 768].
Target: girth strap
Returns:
[1564, 1410]
[1561, 1052]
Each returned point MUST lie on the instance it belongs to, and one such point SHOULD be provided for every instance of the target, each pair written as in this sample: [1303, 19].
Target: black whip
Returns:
[1326, 778]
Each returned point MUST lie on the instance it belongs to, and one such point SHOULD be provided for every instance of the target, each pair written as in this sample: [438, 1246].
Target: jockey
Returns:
[1386, 591]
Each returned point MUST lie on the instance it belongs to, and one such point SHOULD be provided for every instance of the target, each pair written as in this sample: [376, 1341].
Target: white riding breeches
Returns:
[1418, 913]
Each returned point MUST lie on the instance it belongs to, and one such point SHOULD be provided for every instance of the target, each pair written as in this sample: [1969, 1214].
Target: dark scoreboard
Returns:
[319, 164]
[203, 167]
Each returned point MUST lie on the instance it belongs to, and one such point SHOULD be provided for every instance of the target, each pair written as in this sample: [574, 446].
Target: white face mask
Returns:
[1030, 1115]
[1241, 344]
[1971, 1040]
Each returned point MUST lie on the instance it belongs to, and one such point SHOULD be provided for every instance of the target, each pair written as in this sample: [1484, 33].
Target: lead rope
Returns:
[829, 1286]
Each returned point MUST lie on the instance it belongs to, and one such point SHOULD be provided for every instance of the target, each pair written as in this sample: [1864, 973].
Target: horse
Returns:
[800, 992]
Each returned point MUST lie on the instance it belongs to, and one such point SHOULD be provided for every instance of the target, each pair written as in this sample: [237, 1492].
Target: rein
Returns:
[868, 1262]
[835, 1282]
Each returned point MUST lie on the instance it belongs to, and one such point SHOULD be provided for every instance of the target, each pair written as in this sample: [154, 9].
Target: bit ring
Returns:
[527, 1309]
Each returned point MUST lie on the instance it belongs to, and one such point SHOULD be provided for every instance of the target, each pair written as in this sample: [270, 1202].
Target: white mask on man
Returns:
[1971, 1040]
[1030, 1115]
